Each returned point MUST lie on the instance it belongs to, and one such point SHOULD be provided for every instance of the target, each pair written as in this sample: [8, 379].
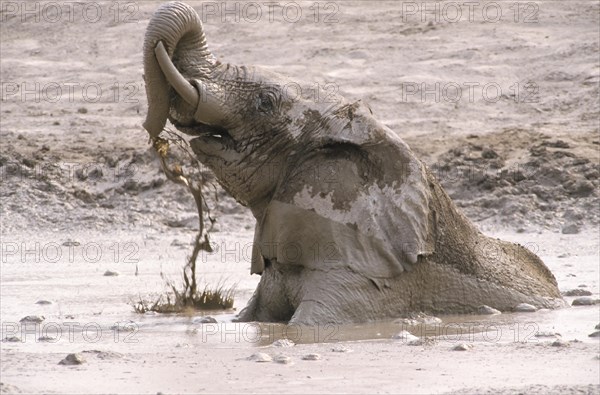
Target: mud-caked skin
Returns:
[351, 226]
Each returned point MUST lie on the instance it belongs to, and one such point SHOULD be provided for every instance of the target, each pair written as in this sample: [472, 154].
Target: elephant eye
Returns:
[266, 102]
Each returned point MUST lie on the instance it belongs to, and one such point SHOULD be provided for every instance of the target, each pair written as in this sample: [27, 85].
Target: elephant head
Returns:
[345, 211]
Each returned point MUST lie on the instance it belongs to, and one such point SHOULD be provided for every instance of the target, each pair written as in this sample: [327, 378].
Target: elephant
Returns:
[350, 225]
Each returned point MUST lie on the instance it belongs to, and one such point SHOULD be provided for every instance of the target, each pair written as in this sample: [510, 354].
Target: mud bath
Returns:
[75, 173]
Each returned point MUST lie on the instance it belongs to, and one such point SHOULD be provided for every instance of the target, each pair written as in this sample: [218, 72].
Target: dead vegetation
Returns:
[190, 297]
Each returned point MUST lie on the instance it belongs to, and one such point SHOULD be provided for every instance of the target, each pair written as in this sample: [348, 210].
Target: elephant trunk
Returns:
[174, 36]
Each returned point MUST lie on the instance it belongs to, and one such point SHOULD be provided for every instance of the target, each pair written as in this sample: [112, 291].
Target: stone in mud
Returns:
[311, 357]
[577, 292]
[525, 308]
[43, 302]
[594, 334]
[597, 326]
[48, 339]
[282, 359]
[405, 336]
[584, 301]
[11, 339]
[560, 343]
[205, 320]
[124, 326]
[104, 354]
[260, 357]
[547, 334]
[33, 319]
[570, 229]
[283, 343]
[418, 319]
[341, 349]
[462, 347]
[72, 359]
[110, 273]
[487, 310]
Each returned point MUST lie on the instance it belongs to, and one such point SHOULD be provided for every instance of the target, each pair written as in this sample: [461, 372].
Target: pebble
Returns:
[283, 359]
[124, 326]
[49, 339]
[104, 354]
[283, 343]
[260, 357]
[110, 273]
[205, 320]
[594, 334]
[547, 334]
[571, 229]
[418, 319]
[44, 302]
[72, 359]
[341, 349]
[584, 301]
[462, 347]
[487, 310]
[405, 336]
[560, 343]
[525, 308]
[577, 292]
[11, 339]
[33, 318]
[311, 357]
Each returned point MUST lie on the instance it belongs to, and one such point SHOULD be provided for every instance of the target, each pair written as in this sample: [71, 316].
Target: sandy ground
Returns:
[81, 193]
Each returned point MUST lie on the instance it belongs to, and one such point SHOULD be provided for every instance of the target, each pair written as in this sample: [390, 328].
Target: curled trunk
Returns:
[179, 28]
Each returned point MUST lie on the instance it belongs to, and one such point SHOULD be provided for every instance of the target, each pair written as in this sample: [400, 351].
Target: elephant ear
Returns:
[358, 197]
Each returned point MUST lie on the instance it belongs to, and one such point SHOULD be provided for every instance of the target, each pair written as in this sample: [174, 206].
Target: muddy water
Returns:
[89, 310]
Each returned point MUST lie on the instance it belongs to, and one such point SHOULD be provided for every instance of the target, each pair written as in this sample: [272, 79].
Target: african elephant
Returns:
[350, 225]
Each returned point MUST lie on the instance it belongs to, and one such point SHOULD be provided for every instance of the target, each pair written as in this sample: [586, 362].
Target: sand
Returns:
[82, 193]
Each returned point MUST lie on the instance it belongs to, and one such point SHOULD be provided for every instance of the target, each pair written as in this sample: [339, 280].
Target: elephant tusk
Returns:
[177, 81]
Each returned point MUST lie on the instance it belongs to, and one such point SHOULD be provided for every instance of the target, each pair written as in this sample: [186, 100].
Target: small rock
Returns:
[82, 110]
[260, 357]
[205, 320]
[283, 343]
[525, 308]
[11, 339]
[487, 310]
[124, 326]
[283, 359]
[311, 357]
[560, 343]
[597, 326]
[489, 153]
[462, 347]
[110, 273]
[69, 317]
[405, 336]
[71, 243]
[33, 318]
[341, 349]
[48, 339]
[570, 229]
[104, 354]
[577, 292]
[416, 342]
[584, 301]
[595, 334]
[43, 302]
[547, 334]
[72, 359]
